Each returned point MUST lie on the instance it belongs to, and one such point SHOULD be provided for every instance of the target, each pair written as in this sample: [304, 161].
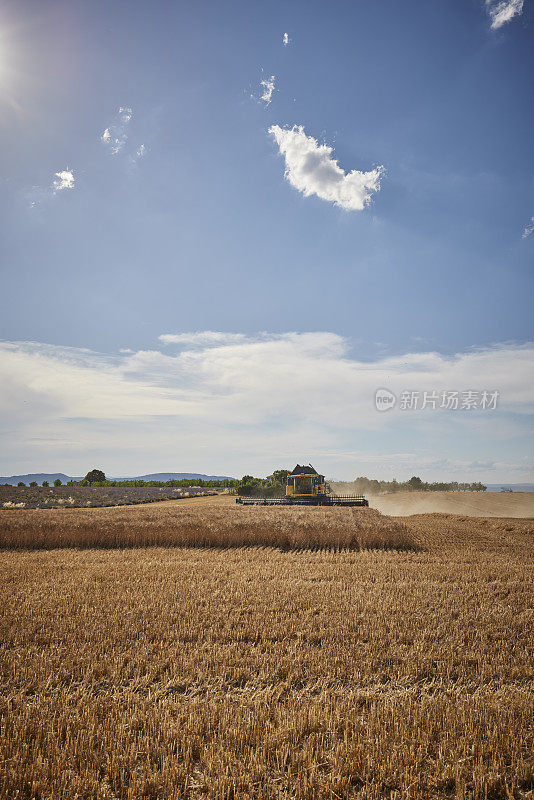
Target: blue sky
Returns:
[143, 194]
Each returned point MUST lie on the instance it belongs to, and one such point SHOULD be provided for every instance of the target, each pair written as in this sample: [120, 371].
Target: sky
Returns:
[225, 227]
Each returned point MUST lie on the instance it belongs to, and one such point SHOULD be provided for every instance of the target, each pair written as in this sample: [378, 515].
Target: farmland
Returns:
[77, 496]
[211, 522]
[394, 660]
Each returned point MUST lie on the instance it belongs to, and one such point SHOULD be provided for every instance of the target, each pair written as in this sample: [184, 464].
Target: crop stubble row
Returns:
[253, 672]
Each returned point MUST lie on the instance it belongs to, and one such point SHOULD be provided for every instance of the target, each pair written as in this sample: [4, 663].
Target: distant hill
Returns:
[180, 476]
[39, 477]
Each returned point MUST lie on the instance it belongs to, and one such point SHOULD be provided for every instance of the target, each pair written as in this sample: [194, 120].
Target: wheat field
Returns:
[265, 672]
[208, 522]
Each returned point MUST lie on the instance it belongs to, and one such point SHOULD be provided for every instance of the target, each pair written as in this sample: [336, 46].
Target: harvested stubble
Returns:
[203, 525]
[169, 673]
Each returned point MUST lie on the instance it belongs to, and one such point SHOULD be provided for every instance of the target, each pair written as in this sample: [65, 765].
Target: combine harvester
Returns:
[305, 487]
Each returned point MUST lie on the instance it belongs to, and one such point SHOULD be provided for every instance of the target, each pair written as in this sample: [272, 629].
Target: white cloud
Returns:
[64, 179]
[503, 11]
[311, 169]
[250, 402]
[528, 228]
[266, 90]
[140, 152]
[202, 338]
[115, 136]
[267, 85]
[285, 39]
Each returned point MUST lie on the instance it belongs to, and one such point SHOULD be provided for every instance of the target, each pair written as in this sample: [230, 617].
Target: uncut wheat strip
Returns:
[213, 527]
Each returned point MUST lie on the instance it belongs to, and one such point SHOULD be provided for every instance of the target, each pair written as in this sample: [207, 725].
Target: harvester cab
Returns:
[305, 487]
[305, 482]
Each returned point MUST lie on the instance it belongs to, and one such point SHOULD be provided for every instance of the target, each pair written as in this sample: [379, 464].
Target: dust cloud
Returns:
[468, 504]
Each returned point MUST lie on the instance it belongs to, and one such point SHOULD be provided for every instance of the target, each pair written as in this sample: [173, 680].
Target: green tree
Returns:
[415, 483]
[33, 484]
[45, 484]
[21, 483]
[280, 476]
[57, 482]
[259, 487]
[94, 476]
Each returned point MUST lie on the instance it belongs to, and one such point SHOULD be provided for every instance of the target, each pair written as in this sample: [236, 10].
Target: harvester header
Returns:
[305, 487]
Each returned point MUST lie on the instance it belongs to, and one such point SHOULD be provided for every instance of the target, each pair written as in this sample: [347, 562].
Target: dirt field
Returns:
[250, 672]
[470, 504]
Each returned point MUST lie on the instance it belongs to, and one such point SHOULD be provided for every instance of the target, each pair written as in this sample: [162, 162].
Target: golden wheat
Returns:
[198, 524]
[257, 673]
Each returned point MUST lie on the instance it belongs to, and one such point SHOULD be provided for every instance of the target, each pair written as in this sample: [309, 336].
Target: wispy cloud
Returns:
[116, 138]
[137, 154]
[264, 93]
[502, 11]
[267, 85]
[311, 169]
[243, 402]
[528, 228]
[285, 39]
[202, 338]
[115, 135]
[64, 179]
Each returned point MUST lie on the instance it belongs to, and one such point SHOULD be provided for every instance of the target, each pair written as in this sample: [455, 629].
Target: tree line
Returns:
[178, 484]
[274, 485]
[368, 486]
